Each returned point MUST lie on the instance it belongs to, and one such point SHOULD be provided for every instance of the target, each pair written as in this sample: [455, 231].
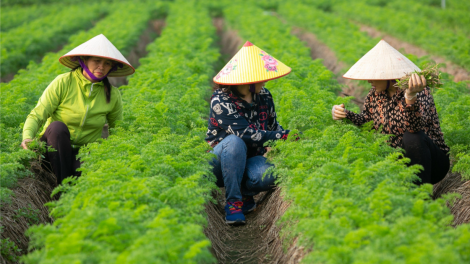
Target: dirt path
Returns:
[459, 73]
[321, 51]
[453, 183]
[258, 241]
[25, 209]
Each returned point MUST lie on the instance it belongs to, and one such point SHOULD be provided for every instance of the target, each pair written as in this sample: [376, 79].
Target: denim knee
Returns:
[233, 145]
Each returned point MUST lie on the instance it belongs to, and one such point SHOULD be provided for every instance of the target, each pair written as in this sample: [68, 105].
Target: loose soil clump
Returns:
[26, 208]
[460, 207]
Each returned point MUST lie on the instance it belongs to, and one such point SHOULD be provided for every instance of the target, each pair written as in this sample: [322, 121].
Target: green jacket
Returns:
[78, 103]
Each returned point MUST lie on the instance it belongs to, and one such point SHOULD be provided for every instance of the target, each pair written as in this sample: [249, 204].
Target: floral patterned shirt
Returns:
[397, 117]
[255, 123]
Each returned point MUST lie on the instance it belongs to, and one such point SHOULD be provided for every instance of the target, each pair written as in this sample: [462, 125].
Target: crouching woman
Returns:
[410, 115]
[242, 119]
[75, 105]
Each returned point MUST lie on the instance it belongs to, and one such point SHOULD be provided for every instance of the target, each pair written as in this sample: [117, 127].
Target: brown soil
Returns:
[258, 241]
[321, 51]
[459, 73]
[460, 207]
[27, 207]
[7, 78]
[139, 51]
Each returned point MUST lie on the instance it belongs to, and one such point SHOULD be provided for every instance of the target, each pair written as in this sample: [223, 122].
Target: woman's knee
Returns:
[412, 140]
[260, 172]
[234, 146]
[58, 128]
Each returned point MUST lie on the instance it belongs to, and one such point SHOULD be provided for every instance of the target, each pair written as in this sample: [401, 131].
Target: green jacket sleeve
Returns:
[116, 114]
[47, 104]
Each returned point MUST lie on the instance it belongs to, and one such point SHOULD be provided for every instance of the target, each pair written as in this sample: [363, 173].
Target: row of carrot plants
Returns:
[453, 19]
[15, 16]
[453, 106]
[141, 195]
[329, 29]
[19, 96]
[352, 195]
[31, 40]
[414, 29]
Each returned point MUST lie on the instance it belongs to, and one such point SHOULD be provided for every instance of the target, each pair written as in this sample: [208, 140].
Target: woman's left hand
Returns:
[415, 85]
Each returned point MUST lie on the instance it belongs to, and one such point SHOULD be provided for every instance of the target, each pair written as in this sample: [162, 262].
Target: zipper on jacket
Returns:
[84, 118]
[86, 112]
[91, 90]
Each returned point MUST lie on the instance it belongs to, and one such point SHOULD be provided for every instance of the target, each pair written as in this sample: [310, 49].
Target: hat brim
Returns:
[277, 77]
[126, 70]
[371, 79]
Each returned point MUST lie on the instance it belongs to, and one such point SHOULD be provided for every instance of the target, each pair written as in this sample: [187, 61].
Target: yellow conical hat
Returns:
[99, 46]
[251, 65]
[382, 62]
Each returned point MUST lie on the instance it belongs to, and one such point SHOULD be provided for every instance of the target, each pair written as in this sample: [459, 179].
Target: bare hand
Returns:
[338, 112]
[415, 85]
[25, 142]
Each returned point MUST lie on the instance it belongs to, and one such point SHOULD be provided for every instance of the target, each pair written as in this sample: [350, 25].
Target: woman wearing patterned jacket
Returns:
[409, 115]
[242, 118]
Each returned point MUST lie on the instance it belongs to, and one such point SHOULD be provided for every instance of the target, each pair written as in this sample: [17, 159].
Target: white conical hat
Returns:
[382, 62]
[99, 46]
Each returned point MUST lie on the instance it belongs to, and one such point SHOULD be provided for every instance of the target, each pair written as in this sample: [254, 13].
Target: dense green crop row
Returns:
[24, 3]
[331, 30]
[453, 106]
[19, 96]
[31, 40]
[17, 15]
[142, 191]
[456, 20]
[352, 198]
[404, 25]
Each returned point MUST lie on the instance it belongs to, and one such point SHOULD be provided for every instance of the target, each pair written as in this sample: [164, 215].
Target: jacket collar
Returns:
[85, 84]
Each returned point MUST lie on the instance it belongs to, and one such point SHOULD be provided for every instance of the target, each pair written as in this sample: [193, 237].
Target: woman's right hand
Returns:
[338, 112]
[25, 142]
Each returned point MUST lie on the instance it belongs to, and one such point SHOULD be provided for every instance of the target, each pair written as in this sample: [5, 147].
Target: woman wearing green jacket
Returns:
[76, 105]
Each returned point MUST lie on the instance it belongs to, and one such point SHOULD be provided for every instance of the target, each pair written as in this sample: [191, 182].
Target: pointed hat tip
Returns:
[247, 44]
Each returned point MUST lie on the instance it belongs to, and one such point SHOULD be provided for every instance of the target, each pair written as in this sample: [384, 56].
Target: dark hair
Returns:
[224, 88]
[392, 82]
[107, 85]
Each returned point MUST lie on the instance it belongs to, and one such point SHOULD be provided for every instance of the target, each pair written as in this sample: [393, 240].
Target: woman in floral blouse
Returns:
[242, 118]
[409, 115]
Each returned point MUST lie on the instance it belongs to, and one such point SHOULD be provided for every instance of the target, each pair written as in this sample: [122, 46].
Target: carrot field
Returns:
[147, 193]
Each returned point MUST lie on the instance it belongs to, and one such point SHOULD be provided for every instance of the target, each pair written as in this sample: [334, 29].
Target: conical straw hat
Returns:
[99, 46]
[251, 65]
[382, 62]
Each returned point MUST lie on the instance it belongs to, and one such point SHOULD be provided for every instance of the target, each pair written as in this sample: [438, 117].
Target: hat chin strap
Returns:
[252, 87]
[90, 74]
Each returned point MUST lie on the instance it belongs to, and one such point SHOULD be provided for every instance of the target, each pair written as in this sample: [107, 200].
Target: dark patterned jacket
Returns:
[255, 123]
[397, 117]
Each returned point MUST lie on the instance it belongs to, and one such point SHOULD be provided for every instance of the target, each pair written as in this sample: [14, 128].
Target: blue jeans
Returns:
[239, 175]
